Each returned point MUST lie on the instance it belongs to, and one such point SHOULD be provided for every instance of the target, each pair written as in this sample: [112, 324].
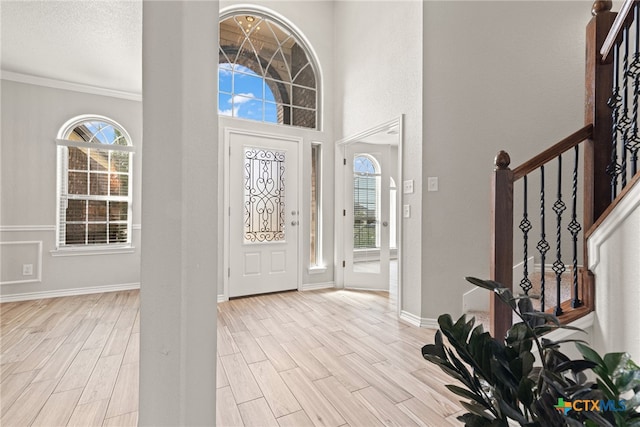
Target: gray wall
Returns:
[495, 77]
[31, 118]
[471, 78]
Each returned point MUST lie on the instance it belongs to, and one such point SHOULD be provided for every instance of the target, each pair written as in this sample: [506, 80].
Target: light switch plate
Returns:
[406, 211]
[432, 183]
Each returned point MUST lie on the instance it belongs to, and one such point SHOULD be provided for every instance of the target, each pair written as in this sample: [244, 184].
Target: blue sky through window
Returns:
[363, 165]
[244, 94]
[104, 133]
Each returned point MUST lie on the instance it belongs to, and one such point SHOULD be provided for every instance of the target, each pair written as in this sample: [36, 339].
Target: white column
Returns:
[179, 213]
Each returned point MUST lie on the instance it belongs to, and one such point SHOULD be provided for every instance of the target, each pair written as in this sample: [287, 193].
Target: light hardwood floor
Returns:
[322, 358]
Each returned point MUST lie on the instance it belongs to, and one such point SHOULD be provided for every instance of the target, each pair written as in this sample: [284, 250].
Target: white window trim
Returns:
[320, 266]
[302, 40]
[62, 171]
[92, 250]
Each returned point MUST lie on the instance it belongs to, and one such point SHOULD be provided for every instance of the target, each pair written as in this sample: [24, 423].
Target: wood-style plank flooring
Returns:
[70, 361]
[321, 358]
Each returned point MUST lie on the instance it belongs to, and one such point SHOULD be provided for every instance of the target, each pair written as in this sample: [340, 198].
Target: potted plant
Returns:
[504, 383]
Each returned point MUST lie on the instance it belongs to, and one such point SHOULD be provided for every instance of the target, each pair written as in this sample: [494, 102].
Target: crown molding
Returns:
[75, 87]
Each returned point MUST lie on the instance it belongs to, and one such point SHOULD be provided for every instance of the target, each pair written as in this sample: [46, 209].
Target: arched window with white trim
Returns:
[266, 72]
[94, 183]
[366, 202]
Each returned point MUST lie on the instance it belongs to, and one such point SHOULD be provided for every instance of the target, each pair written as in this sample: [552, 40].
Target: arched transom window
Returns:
[265, 72]
[94, 183]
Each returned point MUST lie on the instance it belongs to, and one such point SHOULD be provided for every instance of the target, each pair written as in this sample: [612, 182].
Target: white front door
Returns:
[264, 219]
[367, 216]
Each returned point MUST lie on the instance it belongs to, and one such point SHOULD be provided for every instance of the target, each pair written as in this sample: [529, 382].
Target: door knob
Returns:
[385, 223]
[294, 223]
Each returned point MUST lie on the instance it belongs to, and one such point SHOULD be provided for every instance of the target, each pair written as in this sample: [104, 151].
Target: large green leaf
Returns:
[546, 317]
[512, 411]
[478, 410]
[473, 420]
[522, 365]
[520, 337]
[589, 354]
[545, 343]
[575, 365]
[624, 372]
[504, 376]
[612, 361]
[485, 284]
[525, 392]
[503, 293]
[467, 394]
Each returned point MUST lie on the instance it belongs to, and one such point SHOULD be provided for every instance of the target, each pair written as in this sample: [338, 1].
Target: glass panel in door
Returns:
[367, 217]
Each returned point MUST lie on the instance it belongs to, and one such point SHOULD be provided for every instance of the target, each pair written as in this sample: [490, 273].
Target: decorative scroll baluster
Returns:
[615, 102]
[633, 144]
[525, 227]
[625, 121]
[543, 245]
[574, 228]
[558, 266]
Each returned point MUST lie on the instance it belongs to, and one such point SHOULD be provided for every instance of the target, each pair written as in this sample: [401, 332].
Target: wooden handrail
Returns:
[553, 152]
[622, 20]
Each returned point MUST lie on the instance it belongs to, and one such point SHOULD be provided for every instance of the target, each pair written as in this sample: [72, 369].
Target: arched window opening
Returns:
[94, 183]
[366, 202]
[265, 72]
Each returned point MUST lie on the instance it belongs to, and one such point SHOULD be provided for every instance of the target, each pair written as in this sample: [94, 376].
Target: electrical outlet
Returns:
[407, 186]
[27, 269]
[406, 211]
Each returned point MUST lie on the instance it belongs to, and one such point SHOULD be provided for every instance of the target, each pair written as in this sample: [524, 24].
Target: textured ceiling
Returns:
[91, 42]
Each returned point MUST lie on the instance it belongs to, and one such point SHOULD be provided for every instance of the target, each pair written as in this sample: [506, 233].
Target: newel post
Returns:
[501, 265]
[597, 154]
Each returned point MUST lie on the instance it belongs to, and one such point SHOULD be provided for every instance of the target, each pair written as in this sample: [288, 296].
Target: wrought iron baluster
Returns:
[525, 227]
[625, 122]
[574, 228]
[543, 245]
[614, 103]
[633, 143]
[558, 266]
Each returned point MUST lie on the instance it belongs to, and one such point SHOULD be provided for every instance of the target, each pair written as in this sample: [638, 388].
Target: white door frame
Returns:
[227, 204]
[341, 228]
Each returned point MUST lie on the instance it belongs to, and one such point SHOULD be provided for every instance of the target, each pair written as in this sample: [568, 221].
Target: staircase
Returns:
[549, 206]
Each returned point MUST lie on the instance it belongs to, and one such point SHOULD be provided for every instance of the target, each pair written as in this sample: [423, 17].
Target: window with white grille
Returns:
[94, 184]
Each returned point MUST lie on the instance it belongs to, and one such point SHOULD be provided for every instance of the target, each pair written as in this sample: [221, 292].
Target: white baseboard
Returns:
[68, 292]
[420, 322]
[222, 298]
[315, 286]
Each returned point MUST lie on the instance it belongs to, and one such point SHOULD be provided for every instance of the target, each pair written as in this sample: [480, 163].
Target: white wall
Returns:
[378, 69]
[31, 118]
[496, 75]
[614, 254]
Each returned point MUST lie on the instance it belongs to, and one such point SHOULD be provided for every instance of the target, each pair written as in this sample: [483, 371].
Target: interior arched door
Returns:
[367, 216]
